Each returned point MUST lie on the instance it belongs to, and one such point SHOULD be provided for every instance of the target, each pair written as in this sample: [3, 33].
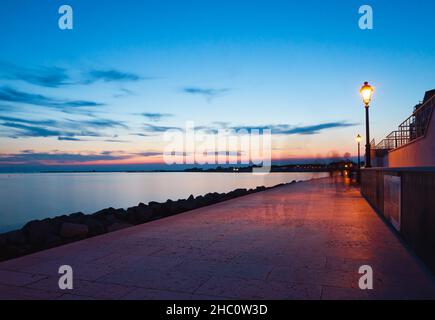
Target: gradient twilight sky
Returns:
[104, 92]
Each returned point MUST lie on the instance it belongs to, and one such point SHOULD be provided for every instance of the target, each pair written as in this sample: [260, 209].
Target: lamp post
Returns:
[358, 139]
[366, 94]
[358, 173]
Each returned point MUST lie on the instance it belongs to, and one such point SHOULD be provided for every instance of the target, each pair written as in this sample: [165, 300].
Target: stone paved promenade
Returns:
[302, 241]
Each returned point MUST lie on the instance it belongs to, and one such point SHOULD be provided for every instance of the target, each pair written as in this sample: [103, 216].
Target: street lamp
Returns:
[358, 139]
[367, 94]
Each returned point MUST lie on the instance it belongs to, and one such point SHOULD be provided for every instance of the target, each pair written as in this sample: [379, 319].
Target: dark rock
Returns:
[220, 197]
[239, 192]
[105, 212]
[139, 214]
[3, 252]
[223, 197]
[95, 226]
[73, 230]
[119, 211]
[3, 240]
[131, 215]
[111, 218]
[209, 198]
[153, 204]
[56, 223]
[52, 240]
[13, 251]
[16, 237]
[75, 217]
[158, 209]
[165, 209]
[121, 214]
[111, 215]
[143, 209]
[174, 207]
[198, 202]
[36, 231]
[192, 204]
[118, 226]
[185, 205]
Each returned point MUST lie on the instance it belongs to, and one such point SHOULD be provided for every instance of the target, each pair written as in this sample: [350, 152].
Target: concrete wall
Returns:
[417, 205]
[418, 153]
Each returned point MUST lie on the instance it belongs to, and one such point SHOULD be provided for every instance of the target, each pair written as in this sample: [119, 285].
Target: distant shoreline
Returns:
[308, 167]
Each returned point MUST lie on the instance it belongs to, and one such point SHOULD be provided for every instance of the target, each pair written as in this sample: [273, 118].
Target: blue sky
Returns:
[102, 92]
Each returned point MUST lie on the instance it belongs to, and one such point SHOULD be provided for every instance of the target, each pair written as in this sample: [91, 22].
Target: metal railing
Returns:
[412, 128]
[394, 140]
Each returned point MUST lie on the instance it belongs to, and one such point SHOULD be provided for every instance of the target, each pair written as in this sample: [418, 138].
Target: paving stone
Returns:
[84, 288]
[18, 278]
[302, 241]
[22, 293]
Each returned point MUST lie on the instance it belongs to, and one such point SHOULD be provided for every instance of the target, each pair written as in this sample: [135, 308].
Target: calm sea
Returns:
[25, 197]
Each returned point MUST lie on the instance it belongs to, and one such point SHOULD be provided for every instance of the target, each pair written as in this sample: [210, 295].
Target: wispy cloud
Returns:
[110, 76]
[207, 129]
[276, 129]
[142, 134]
[23, 130]
[159, 129]
[156, 116]
[65, 130]
[51, 77]
[8, 94]
[56, 158]
[6, 108]
[225, 153]
[99, 123]
[28, 121]
[123, 92]
[208, 93]
[148, 154]
[69, 139]
[284, 129]
[20, 130]
[221, 124]
[116, 141]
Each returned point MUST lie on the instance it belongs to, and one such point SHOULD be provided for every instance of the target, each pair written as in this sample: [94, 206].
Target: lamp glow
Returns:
[358, 138]
[366, 93]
